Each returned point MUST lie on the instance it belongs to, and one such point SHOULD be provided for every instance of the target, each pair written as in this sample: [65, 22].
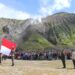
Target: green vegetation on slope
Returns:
[61, 29]
[36, 42]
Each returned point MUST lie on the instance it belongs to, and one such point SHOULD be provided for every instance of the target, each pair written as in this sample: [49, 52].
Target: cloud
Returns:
[47, 8]
[60, 4]
[8, 12]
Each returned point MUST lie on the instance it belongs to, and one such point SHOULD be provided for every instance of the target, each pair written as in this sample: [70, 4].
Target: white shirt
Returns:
[73, 55]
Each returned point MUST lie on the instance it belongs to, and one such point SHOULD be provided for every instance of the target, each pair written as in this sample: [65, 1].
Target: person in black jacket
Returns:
[63, 58]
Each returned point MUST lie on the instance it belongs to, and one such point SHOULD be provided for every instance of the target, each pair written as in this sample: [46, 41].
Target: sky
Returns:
[23, 9]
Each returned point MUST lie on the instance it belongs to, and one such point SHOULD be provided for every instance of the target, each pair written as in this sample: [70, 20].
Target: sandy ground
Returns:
[36, 68]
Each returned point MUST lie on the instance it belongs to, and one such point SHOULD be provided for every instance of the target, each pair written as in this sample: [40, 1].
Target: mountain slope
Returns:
[35, 42]
[54, 30]
[60, 28]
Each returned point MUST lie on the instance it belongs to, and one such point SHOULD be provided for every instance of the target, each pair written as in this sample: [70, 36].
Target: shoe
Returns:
[64, 67]
[12, 65]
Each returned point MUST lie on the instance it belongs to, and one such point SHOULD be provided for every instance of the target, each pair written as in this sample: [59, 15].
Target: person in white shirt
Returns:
[73, 58]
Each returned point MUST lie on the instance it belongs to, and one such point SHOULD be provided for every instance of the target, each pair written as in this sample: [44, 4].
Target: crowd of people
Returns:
[45, 55]
[49, 55]
[33, 55]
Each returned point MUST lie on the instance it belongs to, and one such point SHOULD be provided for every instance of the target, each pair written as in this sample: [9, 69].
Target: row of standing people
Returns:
[36, 56]
[40, 55]
[47, 56]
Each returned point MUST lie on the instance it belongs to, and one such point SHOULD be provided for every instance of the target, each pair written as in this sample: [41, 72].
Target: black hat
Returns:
[5, 29]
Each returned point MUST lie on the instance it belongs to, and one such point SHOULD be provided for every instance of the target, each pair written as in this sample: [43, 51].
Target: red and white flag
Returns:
[7, 46]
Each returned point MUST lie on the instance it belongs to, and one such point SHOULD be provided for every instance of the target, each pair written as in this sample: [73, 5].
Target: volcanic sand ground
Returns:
[43, 67]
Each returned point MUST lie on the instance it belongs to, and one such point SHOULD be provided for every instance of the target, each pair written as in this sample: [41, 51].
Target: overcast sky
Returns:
[23, 9]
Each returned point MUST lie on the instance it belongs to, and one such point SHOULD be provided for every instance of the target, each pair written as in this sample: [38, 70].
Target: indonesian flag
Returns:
[7, 46]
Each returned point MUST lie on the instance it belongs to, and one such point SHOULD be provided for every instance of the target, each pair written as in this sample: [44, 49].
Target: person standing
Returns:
[0, 58]
[63, 58]
[12, 56]
[7, 35]
[73, 58]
